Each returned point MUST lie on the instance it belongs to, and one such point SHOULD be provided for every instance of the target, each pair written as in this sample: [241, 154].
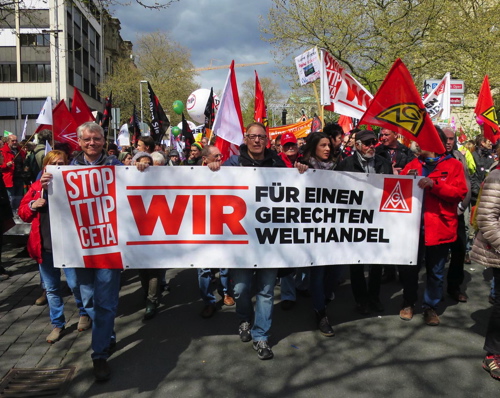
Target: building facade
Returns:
[48, 47]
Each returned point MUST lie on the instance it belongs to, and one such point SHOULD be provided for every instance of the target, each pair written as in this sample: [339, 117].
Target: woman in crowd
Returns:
[195, 154]
[486, 251]
[34, 209]
[125, 158]
[318, 154]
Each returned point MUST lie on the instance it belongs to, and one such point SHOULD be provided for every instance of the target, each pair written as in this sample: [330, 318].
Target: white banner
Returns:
[340, 92]
[182, 217]
[308, 66]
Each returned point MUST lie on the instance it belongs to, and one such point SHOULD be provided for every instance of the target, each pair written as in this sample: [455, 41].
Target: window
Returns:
[8, 73]
[32, 73]
[35, 40]
[8, 109]
[31, 107]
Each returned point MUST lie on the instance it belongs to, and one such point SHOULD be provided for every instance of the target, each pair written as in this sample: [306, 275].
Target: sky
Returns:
[216, 31]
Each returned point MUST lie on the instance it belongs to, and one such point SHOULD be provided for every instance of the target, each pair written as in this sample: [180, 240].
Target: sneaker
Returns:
[324, 327]
[430, 317]
[244, 331]
[228, 300]
[263, 349]
[491, 363]
[84, 323]
[102, 371]
[406, 313]
[55, 335]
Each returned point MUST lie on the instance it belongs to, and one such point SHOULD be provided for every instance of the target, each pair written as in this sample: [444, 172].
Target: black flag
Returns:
[209, 114]
[136, 128]
[186, 132]
[106, 115]
[159, 120]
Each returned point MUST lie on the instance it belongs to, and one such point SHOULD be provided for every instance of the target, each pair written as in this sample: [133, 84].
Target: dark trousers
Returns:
[492, 340]
[458, 248]
[362, 291]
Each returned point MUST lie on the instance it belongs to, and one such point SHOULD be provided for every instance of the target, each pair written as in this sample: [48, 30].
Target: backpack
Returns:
[31, 168]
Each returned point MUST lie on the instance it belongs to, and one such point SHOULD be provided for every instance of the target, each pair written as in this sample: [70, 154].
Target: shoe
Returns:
[303, 292]
[4, 277]
[324, 325]
[491, 299]
[102, 371]
[363, 308]
[228, 300]
[42, 300]
[208, 311]
[457, 295]
[55, 335]
[377, 306]
[150, 310]
[491, 363]
[406, 313]
[430, 317]
[467, 259]
[263, 349]
[244, 332]
[287, 305]
[84, 323]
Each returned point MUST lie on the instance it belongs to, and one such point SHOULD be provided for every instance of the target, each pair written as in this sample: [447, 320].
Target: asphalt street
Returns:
[179, 354]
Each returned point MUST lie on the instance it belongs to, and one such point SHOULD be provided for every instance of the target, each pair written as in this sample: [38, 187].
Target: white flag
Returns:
[124, 136]
[23, 135]
[340, 92]
[48, 148]
[437, 103]
[228, 123]
[45, 116]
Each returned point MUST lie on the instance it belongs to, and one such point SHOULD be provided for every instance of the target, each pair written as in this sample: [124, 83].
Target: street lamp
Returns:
[142, 116]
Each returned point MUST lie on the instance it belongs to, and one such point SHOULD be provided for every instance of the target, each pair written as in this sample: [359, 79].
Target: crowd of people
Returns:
[453, 182]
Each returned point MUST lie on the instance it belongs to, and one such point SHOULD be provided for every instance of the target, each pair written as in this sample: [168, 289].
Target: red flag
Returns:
[346, 123]
[228, 124]
[79, 109]
[462, 137]
[397, 106]
[260, 110]
[485, 111]
[64, 126]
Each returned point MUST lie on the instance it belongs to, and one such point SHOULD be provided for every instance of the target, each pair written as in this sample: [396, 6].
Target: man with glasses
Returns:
[364, 160]
[253, 153]
[99, 287]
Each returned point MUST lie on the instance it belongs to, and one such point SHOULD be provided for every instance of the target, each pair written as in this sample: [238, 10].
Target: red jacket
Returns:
[34, 245]
[441, 201]
[8, 171]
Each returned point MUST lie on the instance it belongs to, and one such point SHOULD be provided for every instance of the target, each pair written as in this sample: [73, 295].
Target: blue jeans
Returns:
[16, 193]
[100, 290]
[265, 279]
[52, 281]
[435, 260]
[204, 281]
[295, 280]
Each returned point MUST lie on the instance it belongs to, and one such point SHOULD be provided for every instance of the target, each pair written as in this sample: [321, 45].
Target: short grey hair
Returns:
[158, 158]
[91, 127]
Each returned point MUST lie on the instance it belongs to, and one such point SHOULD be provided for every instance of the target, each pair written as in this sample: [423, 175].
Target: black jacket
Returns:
[402, 154]
[352, 163]
[271, 159]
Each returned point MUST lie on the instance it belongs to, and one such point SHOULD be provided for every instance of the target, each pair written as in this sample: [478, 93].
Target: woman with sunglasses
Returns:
[34, 209]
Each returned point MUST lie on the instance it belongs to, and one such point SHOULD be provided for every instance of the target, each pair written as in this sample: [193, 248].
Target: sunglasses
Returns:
[369, 142]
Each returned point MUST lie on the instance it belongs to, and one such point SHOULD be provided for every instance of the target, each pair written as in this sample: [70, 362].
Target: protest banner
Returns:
[183, 217]
[308, 66]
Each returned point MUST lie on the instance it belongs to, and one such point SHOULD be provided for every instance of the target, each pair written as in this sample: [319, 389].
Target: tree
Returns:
[165, 64]
[272, 95]
[367, 36]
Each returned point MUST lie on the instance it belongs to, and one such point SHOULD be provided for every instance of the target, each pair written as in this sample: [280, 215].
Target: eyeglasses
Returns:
[289, 146]
[94, 139]
[253, 137]
[373, 141]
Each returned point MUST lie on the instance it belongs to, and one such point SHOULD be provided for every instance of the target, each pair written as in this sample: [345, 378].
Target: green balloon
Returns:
[178, 107]
[176, 131]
